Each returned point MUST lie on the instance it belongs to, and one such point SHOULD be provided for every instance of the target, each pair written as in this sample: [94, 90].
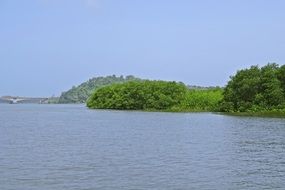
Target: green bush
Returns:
[139, 95]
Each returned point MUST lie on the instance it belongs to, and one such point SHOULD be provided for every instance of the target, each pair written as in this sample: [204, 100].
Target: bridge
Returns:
[22, 100]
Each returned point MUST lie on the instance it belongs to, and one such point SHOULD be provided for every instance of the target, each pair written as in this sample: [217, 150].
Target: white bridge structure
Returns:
[17, 100]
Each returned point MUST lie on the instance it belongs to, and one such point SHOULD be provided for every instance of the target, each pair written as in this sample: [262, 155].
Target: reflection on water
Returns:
[71, 147]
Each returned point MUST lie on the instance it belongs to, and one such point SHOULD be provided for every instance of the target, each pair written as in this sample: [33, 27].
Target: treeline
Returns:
[154, 95]
[255, 90]
[80, 94]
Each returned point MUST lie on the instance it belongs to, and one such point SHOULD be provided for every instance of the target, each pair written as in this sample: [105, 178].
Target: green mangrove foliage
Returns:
[255, 90]
[202, 99]
[155, 95]
[139, 95]
[252, 91]
[79, 94]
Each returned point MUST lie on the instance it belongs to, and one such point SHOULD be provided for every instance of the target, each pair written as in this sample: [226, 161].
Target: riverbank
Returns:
[267, 114]
[270, 114]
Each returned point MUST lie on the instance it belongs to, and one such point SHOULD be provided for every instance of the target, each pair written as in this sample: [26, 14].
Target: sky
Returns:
[48, 46]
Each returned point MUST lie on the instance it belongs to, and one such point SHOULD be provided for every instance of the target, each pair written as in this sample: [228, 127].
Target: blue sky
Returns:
[47, 46]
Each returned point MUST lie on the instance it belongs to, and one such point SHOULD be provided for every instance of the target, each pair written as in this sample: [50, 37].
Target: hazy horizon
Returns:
[48, 46]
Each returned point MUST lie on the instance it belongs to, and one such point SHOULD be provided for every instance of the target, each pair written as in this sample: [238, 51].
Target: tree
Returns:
[255, 88]
[281, 77]
[270, 86]
[241, 90]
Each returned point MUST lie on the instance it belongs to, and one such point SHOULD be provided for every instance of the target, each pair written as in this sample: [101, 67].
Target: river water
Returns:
[68, 147]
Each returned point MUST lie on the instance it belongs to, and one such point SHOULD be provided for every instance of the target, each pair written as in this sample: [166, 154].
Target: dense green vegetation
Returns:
[202, 100]
[195, 98]
[256, 90]
[79, 94]
[139, 95]
[154, 95]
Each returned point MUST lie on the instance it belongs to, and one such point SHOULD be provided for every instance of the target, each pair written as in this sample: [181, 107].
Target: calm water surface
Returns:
[68, 147]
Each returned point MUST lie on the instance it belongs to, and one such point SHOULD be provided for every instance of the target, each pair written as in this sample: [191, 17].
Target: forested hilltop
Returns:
[79, 94]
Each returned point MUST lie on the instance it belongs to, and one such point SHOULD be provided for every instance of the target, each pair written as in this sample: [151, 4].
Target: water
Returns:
[58, 147]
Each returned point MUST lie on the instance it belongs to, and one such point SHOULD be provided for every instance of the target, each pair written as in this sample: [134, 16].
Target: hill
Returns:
[80, 93]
